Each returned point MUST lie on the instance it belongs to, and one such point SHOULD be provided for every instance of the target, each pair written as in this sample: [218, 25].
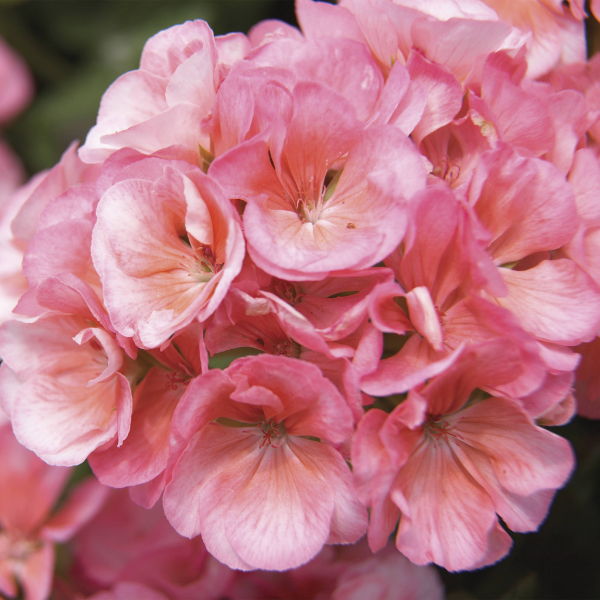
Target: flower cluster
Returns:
[307, 285]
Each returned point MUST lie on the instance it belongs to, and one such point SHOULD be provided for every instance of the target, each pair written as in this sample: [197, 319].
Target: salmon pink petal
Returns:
[447, 517]
[321, 19]
[312, 405]
[36, 573]
[374, 473]
[109, 345]
[413, 364]
[385, 314]
[424, 317]
[29, 488]
[166, 50]
[444, 94]
[61, 423]
[154, 283]
[477, 320]
[525, 458]
[275, 511]
[15, 81]
[525, 204]
[457, 43]
[555, 301]
[143, 455]
[519, 513]
[133, 98]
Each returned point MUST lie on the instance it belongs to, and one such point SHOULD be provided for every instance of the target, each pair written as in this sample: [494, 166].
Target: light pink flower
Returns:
[60, 385]
[167, 244]
[442, 268]
[143, 456]
[344, 573]
[16, 83]
[453, 34]
[169, 100]
[529, 209]
[253, 480]
[557, 35]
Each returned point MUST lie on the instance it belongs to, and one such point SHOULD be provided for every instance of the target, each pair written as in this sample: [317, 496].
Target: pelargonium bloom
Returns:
[261, 479]
[167, 244]
[296, 227]
[449, 465]
[61, 386]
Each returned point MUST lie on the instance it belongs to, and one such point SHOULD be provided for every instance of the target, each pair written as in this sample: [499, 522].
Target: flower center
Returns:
[436, 428]
[271, 432]
[205, 266]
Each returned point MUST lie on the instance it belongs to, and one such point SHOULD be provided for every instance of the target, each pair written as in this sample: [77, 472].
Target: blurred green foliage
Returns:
[76, 48]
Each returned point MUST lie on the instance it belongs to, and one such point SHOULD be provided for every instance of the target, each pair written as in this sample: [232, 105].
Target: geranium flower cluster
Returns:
[389, 219]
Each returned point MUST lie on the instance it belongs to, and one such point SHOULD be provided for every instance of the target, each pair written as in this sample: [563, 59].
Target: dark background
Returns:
[76, 48]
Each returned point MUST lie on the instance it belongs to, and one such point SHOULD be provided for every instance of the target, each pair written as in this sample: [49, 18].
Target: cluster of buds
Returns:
[305, 285]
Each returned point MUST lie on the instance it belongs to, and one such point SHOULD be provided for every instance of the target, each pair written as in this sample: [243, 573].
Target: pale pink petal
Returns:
[28, 487]
[144, 453]
[16, 83]
[63, 423]
[424, 316]
[166, 50]
[525, 458]
[457, 43]
[321, 19]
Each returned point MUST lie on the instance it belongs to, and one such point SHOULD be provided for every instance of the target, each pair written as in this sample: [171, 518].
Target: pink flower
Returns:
[168, 101]
[29, 489]
[296, 228]
[126, 545]
[556, 35]
[260, 479]
[451, 34]
[60, 385]
[167, 244]
[449, 465]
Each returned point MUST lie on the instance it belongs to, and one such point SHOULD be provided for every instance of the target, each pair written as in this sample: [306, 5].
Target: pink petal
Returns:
[83, 504]
[524, 203]
[525, 458]
[444, 94]
[37, 571]
[424, 317]
[447, 517]
[412, 365]
[556, 301]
